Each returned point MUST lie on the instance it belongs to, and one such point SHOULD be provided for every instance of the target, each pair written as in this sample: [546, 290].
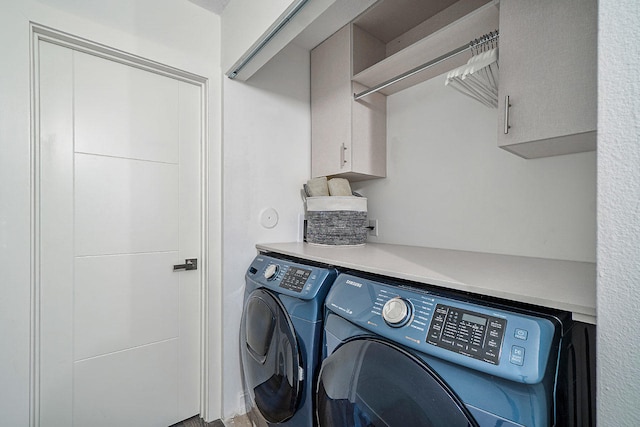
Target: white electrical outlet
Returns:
[373, 231]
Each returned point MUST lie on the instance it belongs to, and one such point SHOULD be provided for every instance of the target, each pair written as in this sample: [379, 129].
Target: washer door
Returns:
[370, 382]
[270, 357]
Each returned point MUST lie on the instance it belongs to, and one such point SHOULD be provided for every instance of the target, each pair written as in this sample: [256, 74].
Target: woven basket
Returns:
[337, 220]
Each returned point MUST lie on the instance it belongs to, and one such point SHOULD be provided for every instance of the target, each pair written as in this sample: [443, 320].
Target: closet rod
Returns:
[484, 39]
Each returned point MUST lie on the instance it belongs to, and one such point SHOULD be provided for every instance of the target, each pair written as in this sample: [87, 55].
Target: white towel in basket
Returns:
[339, 187]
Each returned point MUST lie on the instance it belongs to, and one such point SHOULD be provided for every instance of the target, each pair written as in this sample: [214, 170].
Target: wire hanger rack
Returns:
[474, 45]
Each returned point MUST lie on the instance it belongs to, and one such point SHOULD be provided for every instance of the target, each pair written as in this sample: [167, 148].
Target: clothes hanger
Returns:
[478, 78]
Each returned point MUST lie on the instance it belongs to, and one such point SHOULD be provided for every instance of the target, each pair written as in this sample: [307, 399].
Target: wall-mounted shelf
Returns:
[376, 61]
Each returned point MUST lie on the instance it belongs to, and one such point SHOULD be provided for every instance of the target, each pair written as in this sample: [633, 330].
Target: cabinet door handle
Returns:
[506, 114]
[343, 155]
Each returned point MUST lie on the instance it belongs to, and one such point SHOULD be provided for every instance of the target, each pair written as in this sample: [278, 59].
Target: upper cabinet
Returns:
[348, 137]
[548, 72]
[547, 101]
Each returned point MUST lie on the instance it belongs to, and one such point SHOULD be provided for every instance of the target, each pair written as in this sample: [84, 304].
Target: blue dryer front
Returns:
[280, 338]
[402, 356]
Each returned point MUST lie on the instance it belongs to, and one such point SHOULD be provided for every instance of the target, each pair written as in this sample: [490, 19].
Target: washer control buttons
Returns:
[295, 279]
[517, 355]
[521, 334]
[396, 312]
[467, 332]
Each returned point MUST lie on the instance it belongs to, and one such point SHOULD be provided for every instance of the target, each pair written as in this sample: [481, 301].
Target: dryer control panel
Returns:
[507, 344]
[290, 278]
[467, 332]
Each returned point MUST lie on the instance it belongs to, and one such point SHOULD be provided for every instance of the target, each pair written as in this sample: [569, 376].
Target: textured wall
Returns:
[618, 213]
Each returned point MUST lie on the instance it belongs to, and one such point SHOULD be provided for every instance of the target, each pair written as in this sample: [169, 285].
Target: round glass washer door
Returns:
[369, 382]
[270, 357]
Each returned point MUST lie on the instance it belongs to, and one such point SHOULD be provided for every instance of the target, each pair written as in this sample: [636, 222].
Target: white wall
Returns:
[266, 161]
[244, 22]
[449, 186]
[176, 33]
[618, 213]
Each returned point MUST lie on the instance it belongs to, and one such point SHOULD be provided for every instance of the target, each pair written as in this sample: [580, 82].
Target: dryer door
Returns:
[370, 382]
[270, 357]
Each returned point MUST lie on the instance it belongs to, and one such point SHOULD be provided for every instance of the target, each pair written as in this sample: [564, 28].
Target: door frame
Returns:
[40, 33]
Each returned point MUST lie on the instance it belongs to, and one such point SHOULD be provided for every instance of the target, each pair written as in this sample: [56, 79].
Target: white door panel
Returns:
[120, 203]
[123, 111]
[125, 206]
[115, 390]
[190, 228]
[124, 301]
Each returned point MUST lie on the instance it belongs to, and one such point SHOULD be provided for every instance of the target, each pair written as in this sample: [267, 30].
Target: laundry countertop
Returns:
[563, 285]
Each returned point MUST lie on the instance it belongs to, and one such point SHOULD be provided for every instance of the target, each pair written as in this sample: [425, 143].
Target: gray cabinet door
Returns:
[548, 70]
[348, 137]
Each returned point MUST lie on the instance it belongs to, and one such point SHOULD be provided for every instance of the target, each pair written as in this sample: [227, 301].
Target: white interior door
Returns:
[119, 205]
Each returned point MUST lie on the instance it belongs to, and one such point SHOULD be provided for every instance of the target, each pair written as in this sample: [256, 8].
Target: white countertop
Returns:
[564, 285]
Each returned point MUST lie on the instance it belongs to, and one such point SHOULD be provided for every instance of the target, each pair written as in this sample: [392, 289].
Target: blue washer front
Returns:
[280, 338]
[398, 355]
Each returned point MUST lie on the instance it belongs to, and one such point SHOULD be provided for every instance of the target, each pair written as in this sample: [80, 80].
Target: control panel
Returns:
[507, 344]
[467, 332]
[295, 279]
[288, 277]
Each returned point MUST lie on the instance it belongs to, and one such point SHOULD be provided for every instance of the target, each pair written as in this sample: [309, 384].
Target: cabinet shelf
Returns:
[375, 62]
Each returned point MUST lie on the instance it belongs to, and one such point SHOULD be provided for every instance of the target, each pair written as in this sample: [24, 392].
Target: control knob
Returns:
[396, 312]
[271, 271]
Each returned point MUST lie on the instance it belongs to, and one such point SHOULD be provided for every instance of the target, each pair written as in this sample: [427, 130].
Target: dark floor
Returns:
[198, 422]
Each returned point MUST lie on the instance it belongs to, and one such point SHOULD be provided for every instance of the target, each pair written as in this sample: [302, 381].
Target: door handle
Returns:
[189, 264]
[507, 105]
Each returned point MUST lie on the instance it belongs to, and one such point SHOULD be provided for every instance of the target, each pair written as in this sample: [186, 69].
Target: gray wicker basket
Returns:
[337, 221]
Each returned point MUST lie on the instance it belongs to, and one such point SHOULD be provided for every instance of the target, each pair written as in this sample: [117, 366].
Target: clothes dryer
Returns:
[398, 355]
[280, 338]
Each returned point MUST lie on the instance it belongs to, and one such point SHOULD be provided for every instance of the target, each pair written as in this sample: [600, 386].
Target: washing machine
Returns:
[281, 337]
[402, 355]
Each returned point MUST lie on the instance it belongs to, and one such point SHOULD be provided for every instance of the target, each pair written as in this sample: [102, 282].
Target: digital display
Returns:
[474, 319]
